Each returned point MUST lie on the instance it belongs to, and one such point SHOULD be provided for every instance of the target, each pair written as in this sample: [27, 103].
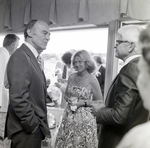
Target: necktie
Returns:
[39, 59]
[64, 74]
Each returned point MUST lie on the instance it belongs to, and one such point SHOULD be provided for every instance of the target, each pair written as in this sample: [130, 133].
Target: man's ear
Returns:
[12, 45]
[131, 47]
[29, 32]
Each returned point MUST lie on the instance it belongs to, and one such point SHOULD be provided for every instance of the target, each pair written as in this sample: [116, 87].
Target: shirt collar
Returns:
[33, 50]
[131, 58]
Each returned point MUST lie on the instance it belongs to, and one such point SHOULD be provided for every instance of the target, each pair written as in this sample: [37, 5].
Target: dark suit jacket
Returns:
[27, 94]
[124, 108]
[101, 78]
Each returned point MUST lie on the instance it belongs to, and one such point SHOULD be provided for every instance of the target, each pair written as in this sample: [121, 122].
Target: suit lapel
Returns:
[114, 82]
[34, 62]
[110, 89]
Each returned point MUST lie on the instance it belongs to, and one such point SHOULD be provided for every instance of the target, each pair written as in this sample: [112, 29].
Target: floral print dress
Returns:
[78, 128]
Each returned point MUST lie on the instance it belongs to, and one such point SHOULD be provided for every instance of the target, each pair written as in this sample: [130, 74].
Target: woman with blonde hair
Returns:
[78, 128]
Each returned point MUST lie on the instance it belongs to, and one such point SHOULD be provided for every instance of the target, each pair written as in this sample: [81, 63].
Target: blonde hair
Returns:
[89, 61]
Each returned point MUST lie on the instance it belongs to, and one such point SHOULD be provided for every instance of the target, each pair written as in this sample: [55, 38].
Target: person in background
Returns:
[100, 74]
[26, 122]
[66, 58]
[124, 107]
[10, 43]
[63, 78]
[78, 127]
[138, 137]
[49, 97]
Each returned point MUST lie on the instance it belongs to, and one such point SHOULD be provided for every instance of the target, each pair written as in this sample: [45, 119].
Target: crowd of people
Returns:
[123, 114]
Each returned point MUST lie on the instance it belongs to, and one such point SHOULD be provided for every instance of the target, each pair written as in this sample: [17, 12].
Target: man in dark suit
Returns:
[124, 107]
[26, 122]
[100, 75]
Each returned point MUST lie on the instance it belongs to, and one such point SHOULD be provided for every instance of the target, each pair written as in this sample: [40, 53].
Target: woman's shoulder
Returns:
[72, 76]
[92, 79]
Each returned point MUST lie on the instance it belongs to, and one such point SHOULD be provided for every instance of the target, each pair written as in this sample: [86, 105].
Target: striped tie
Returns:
[39, 59]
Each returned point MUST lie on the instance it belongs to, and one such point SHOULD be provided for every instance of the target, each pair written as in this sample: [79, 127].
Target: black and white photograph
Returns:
[74, 73]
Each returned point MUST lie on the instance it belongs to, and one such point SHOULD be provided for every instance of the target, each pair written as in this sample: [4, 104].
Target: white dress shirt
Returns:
[34, 51]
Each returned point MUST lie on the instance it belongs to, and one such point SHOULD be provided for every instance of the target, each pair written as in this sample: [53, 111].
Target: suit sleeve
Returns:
[19, 78]
[124, 100]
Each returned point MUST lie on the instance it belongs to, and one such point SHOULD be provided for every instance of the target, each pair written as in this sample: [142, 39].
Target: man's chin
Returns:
[117, 56]
[40, 51]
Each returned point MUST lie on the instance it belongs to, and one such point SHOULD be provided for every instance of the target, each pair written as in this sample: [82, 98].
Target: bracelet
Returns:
[85, 104]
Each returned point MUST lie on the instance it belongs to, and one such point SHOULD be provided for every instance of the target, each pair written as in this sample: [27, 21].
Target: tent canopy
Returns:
[15, 14]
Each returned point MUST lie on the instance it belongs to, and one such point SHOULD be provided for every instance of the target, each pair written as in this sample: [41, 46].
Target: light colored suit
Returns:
[4, 56]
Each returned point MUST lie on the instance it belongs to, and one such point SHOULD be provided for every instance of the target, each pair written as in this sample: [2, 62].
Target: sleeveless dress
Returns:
[78, 128]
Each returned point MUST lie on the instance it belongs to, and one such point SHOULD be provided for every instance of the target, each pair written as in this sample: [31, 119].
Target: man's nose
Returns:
[48, 37]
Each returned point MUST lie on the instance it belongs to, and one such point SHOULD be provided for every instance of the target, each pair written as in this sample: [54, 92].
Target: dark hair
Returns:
[9, 39]
[66, 58]
[29, 26]
[89, 61]
[98, 59]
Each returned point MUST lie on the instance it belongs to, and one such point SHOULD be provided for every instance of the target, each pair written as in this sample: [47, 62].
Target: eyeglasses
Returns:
[118, 42]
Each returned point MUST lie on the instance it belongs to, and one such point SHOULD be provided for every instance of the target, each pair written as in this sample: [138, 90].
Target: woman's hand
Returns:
[60, 80]
[57, 85]
[80, 103]
[73, 101]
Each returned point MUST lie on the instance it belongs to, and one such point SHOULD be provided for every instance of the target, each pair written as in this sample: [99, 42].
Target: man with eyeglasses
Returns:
[124, 107]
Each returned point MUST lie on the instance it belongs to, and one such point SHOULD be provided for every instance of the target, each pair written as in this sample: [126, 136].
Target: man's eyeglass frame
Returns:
[118, 42]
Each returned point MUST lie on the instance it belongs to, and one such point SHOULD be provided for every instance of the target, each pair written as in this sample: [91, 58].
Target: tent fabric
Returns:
[27, 12]
[103, 11]
[136, 9]
[83, 10]
[52, 15]
[40, 10]
[15, 14]
[3, 8]
[67, 12]
[7, 22]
